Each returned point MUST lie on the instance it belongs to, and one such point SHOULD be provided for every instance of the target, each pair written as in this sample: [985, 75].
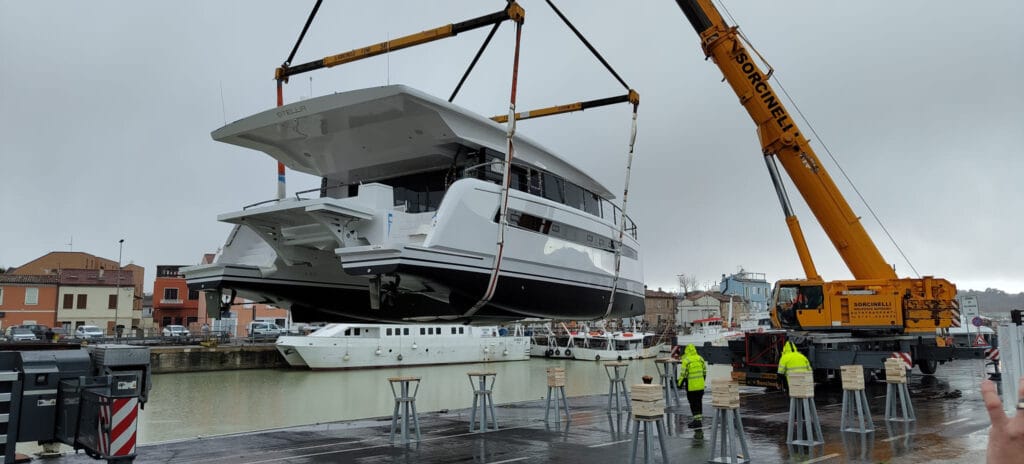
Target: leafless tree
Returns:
[687, 283]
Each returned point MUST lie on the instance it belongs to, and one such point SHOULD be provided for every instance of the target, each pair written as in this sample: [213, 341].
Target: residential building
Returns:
[147, 323]
[27, 299]
[173, 302]
[97, 297]
[660, 308]
[700, 305]
[54, 261]
[751, 287]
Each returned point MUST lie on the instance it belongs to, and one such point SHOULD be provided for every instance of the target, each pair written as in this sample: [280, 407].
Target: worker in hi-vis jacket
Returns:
[792, 361]
[691, 375]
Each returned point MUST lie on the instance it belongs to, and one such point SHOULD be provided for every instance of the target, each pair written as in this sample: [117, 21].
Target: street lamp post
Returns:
[117, 298]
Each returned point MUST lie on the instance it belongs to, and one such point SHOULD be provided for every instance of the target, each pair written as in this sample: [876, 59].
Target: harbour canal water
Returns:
[213, 403]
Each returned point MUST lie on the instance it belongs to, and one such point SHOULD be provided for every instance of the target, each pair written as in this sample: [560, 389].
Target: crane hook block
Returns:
[516, 13]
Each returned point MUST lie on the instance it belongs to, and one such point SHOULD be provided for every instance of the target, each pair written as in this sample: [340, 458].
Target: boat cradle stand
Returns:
[482, 400]
[726, 430]
[646, 422]
[405, 407]
[556, 389]
[668, 370]
[617, 392]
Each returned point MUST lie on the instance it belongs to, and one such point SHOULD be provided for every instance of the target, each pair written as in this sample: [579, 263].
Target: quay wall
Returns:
[197, 358]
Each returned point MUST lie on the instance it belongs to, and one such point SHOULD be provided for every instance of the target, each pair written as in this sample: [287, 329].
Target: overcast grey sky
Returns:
[108, 106]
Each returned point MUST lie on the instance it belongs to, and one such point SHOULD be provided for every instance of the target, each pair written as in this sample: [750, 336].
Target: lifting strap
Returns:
[492, 283]
[280, 92]
[622, 221]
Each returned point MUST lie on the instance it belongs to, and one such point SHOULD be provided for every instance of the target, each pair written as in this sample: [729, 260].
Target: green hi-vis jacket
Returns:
[693, 369]
[792, 361]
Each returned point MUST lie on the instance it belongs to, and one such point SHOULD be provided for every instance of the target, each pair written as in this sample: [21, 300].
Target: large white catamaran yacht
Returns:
[405, 224]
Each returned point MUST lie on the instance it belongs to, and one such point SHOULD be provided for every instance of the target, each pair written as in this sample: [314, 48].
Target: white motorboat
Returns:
[404, 227]
[352, 346]
[617, 346]
[708, 330]
[756, 322]
[595, 345]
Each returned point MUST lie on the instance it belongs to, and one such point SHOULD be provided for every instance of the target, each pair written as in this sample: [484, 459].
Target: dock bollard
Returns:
[556, 387]
[482, 396]
[897, 397]
[803, 415]
[727, 424]
[405, 407]
[853, 392]
[617, 384]
[648, 409]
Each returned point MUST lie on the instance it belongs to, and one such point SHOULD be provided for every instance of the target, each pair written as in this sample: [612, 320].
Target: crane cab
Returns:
[872, 306]
[879, 306]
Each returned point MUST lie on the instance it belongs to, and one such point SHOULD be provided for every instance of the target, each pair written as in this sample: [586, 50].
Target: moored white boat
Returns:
[595, 344]
[707, 330]
[351, 346]
[617, 346]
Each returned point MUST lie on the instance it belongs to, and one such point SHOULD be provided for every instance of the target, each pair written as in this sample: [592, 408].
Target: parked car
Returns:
[88, 331]
[38, 329]
[175, 331]
[60, 333]
[265, 329]
[20, 334]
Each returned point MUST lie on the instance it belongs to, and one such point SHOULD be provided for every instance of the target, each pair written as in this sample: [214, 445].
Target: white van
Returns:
[265, 329]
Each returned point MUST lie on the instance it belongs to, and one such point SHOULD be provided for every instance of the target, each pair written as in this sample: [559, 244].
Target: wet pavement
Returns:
[951, 426]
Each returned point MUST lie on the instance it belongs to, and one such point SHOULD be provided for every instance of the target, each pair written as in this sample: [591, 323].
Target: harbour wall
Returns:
[197, 358]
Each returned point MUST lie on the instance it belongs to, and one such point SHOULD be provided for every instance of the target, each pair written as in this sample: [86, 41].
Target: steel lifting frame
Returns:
[512, 12]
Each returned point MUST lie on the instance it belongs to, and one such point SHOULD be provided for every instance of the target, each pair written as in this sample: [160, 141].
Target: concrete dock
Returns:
[951, 426]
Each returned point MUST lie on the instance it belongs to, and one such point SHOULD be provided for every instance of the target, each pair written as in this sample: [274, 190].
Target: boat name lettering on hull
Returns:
[291, 111]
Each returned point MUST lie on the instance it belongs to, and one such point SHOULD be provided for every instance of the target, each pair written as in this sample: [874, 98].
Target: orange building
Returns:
[54, 261]
[28, 299]
[173, 302]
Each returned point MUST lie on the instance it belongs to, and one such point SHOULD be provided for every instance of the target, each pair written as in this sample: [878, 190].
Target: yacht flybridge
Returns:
[405, 223]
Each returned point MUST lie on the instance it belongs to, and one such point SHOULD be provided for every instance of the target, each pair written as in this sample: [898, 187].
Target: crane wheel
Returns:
[928, 367]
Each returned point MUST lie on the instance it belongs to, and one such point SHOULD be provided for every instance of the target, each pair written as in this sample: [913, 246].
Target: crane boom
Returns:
[780, 137]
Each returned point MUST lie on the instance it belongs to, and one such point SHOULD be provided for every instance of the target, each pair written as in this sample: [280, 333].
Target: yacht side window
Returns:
[574, 195]
[357, 331]
[405, 331]
[388, 332]
[591, 203]
[423, 331]
[437, 331]
[535, 183]
[553, 188]
[520, 179]
[461, 330]
[453, 330]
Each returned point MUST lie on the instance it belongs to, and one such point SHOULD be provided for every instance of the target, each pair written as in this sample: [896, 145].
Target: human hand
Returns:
[1006, 438]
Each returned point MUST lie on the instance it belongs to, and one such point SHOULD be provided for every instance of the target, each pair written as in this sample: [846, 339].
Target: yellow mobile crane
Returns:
[865, 320]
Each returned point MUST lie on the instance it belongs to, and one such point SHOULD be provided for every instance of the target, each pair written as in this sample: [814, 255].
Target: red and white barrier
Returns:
[119, 421]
